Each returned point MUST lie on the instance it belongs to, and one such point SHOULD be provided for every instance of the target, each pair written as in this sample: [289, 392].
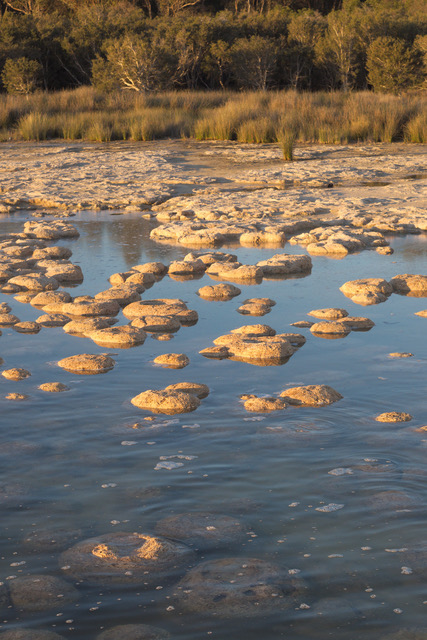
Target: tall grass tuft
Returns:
[287, 140]
[416, 129]
[34, 126]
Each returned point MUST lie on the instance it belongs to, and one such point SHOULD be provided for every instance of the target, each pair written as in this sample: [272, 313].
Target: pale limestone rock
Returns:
[283, 264]
[123, 295]
[187, 267]
[357, 323]
[27, 327]
[168, 402]
[312, 395]
[55, 320]
[52, 253]
[157, 324]
[16, 374]
[196, 388]
[34, 282]
[53, 387]
[330, 328]
[158, 269]
[219, 292]
[91, 307]
[366, 291]
[50, 297]
[62, 271]
[16, 396]
[264, 405]
[87, 363]
[158, 307]
[384, 251]
[394, 416]
[118, 337]
[235, 272]
[262, 238]
[409, 285]
[50, 230]
[172, 360]
[328, 314]
[85, 326]
[254, 330]
[219, 352]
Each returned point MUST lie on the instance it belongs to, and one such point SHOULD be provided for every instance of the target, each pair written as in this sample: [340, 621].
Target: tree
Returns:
[21, 75]
[135, 64]
[254, 62]
[340, 50]
[392, 65]
[217, 62]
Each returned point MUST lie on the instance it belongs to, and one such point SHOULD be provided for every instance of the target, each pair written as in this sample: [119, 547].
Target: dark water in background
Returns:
[268, 470]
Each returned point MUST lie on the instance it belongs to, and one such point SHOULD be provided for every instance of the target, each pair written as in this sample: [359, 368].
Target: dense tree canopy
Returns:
[147, 45]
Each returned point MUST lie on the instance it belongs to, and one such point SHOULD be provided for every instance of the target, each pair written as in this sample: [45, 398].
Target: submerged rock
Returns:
[30, 634]
[237, 588]
[125, 558]
[202, 530]
[87, 364]
[134, 632]
[391, 501]
[41, 592]
[313, 395]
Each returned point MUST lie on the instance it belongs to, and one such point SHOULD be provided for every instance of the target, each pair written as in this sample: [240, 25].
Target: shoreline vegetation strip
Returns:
[286, 117]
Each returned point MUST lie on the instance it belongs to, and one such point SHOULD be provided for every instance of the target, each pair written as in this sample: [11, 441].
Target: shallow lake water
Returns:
[84, 460]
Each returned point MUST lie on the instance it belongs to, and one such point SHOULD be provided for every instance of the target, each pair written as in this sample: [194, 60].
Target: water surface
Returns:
[64, 454]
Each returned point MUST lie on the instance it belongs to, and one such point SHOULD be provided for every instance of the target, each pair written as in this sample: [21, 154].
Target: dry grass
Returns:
[287, 117]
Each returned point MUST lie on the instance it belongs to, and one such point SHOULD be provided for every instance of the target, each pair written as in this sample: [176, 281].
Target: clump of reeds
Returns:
[287, 139]
[34, 126]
